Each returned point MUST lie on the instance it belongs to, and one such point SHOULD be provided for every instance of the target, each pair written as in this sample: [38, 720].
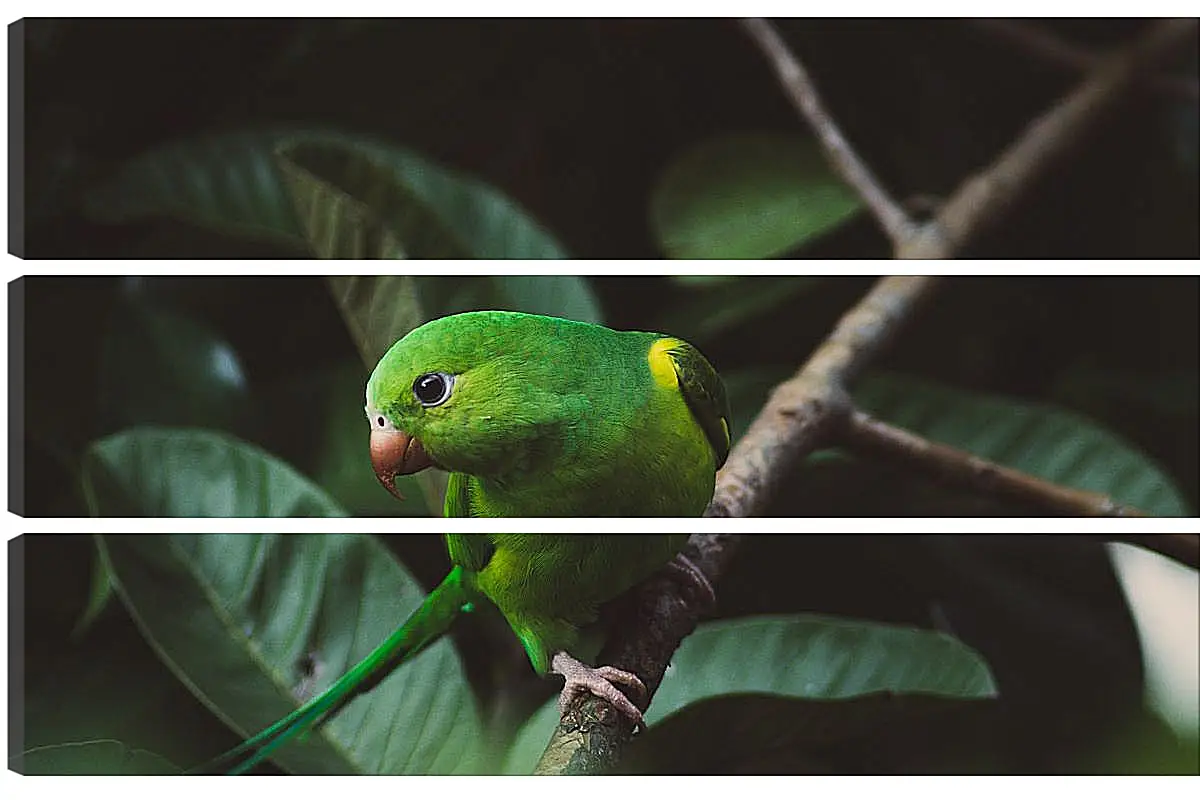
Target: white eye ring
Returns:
[433, 388]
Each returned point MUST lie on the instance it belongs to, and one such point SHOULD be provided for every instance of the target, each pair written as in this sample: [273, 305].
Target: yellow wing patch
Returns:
[662, 367]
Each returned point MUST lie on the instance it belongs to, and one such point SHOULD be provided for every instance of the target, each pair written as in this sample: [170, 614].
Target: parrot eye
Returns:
[433, 388]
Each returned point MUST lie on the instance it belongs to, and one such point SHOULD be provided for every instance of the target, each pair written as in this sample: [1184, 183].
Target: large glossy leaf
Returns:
[101, 757]
[351, 206]
[1050, 443]
[163, 472]
[255, 624]
[801, 657]
[378, 309]
[747, 195]
[234, 183]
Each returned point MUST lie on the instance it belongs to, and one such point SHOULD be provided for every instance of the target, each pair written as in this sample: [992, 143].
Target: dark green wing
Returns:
[471, 551]
[705, 395]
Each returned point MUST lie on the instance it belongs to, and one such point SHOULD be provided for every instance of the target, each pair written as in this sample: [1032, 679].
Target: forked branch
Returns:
[813, 408]
[983, 198]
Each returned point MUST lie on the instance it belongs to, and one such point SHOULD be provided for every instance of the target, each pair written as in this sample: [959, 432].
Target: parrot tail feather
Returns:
[425, 626]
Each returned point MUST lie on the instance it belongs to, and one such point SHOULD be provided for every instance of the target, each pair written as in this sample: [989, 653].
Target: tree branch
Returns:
[1046, 45]
[984, 197]
[804, 96]
[867, 435]
[804, 411]
[591, 735]
[807, 411]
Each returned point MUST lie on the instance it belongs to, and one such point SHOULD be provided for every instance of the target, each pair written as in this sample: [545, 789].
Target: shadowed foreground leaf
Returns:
[163, 472]
[259, 623]
[233, 183]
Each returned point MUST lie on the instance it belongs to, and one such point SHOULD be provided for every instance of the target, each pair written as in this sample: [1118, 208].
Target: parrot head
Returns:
[481, 393]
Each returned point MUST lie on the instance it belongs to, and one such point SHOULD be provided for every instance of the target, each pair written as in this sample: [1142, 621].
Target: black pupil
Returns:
[429, 388]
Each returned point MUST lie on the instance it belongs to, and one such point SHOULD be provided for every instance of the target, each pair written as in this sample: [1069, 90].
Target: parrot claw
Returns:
[599, 681]
[683, 567]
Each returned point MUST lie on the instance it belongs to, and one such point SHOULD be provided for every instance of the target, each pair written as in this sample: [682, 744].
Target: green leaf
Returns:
[255, 624]
[159, 367]
[379, 310]
[234, 183]
[351, 206]
[815, 657]
[101, 757]
[747, 195]
[161, 472]
[1053, 444]
[803, 657]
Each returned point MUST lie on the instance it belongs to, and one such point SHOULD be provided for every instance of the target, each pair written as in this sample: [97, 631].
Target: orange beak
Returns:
[396, 453]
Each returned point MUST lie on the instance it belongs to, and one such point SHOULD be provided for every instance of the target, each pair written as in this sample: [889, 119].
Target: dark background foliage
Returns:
[272, 362]
[579, 120]
[1046, 613]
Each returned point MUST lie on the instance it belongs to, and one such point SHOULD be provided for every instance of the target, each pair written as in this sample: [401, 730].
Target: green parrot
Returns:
[532, 416]
[539, 416]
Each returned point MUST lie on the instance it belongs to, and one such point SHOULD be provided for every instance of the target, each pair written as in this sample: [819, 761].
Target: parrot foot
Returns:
[683, 567]
[582, 679]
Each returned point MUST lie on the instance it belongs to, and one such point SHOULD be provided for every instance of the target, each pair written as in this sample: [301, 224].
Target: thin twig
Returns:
[1045, 44]
[868, 435]
[803, 93]
[984, 197]
[805, 410]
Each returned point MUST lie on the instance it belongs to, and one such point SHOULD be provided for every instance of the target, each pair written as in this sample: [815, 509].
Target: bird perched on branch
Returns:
[536, 416]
